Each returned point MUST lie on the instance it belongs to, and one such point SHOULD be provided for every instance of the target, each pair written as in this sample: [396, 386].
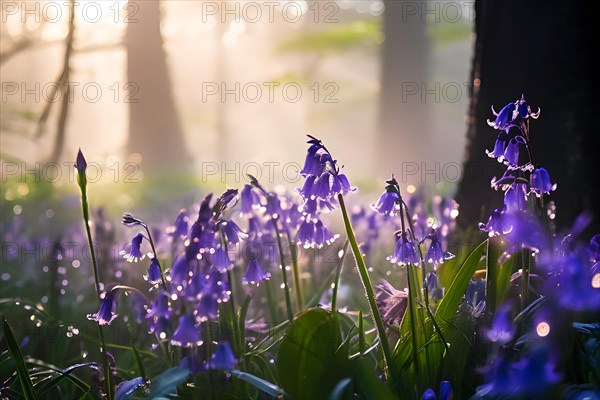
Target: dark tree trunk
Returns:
[541, 50]
[402, 117]
[154, 128]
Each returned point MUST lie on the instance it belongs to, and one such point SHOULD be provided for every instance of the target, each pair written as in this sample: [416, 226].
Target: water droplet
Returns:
[75, 263]
[542, 329]
[5, 276]
[596, 281]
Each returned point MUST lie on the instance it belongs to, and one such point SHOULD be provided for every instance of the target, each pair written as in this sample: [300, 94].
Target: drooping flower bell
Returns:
[499, 147]
[187, 333]
[134, 254]
[254, 274]
[323, 179]
[497, 224]
[106, 314]
[223, 358]
[154, 274]
[435, 254]
[524, 110]
[388, 203]
[405, 252]
[181, 226]
[504, 117]
[540, 182]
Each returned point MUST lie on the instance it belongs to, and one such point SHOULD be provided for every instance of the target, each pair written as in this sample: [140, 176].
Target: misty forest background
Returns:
[367, 55]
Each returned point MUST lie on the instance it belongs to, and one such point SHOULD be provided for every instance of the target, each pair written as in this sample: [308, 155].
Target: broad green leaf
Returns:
[127, 388]
[168, 381]
[259, 383]
[454, 293]
[15, 353]
[308, 365]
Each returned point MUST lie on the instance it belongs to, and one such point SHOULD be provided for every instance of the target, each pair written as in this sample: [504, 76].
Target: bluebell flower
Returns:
[578, 287]
[207, 308]
[306, 233]
[594, 248]
[502, 330]
[534, 376]
[524, 109]
[511, 153]
[474, 299]
[391, 302]
[499, 147]
[214, 284]
[526, 231]
[233, 233]
[254, 274]
[220, 260]
[446, 392]
[161, 327]
[134, 254]
[496, 224]
[435, 254]
[223, 358]
[515, 197]
[540, 182]
[154, 274]
[405, 252]
[387, 204]
[181, 226]
[106, 314]
[250, 200]
[158, 316]
[180, 270]
[322, 235]
[317, 158]
[187, 333]
[504, 118]
[323, 180]
[429, 395]
[160, 306]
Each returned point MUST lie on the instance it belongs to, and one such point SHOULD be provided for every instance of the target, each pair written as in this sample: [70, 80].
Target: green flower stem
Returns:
[288, 301]
[336, 282]
[271, 301]
[86, 220]
[155, 255]
[366, 282]
[296, 273]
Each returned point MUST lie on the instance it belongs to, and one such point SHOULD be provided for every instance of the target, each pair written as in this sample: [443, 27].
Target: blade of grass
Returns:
[366, 282]
[17, 355]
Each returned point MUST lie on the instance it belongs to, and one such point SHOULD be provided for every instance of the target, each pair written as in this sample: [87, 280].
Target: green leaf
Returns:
[261, 384]
[127, 388]
[15, 353]
[367, 382]
[308, 365]
[168, 381]
[43, 388]
[449, 304]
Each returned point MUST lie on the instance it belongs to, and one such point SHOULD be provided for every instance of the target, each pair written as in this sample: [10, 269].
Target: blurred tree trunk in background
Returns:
[402, 116]
[542, 51]
[154, 128]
